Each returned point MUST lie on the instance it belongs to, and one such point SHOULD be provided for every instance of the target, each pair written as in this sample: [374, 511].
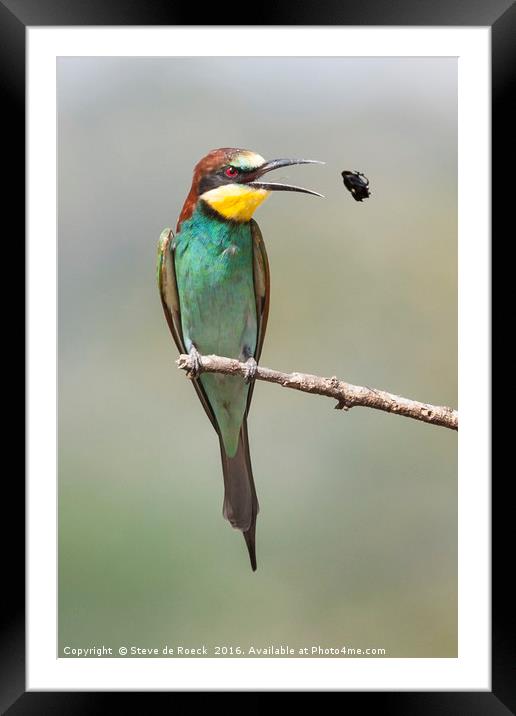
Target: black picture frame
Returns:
[15, 17]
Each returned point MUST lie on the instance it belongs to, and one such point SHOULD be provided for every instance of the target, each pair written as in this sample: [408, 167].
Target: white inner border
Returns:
[471, 670]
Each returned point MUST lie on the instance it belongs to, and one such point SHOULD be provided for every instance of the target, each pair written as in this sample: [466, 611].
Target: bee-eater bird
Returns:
[213, 277]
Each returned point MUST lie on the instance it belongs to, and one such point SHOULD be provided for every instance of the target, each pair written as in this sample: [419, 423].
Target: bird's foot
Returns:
[250, 369]
[195, 368]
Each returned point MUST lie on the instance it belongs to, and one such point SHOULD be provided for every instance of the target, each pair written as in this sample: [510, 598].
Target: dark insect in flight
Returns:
[357, 184]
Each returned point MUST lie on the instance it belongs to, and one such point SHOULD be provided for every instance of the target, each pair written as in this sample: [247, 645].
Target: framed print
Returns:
[359, 559]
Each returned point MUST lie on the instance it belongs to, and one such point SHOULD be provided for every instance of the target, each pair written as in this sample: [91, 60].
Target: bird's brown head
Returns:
[226, 180]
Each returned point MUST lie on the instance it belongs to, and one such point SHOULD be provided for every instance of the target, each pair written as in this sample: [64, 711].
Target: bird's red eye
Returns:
[231, 172]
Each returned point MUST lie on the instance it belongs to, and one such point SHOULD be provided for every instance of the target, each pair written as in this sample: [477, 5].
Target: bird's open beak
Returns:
[277, 164]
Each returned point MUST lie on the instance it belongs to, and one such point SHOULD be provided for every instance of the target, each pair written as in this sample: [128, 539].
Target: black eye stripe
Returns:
[240, 170]
[219, 178]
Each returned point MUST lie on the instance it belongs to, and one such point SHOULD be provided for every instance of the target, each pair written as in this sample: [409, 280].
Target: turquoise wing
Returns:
[262, 284]
[167, 284]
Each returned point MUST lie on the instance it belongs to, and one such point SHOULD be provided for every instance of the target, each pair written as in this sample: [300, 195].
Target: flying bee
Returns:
[357, 184]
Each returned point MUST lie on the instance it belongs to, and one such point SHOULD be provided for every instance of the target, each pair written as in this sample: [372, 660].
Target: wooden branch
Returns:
[346, 394]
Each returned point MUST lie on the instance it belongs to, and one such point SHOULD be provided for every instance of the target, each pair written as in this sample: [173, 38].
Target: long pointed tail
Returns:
[240, 500]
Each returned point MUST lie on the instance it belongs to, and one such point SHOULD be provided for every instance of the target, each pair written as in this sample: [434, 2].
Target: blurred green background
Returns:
[357, 530]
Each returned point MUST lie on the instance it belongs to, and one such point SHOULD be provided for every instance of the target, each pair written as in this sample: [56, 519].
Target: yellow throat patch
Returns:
[235, 201]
